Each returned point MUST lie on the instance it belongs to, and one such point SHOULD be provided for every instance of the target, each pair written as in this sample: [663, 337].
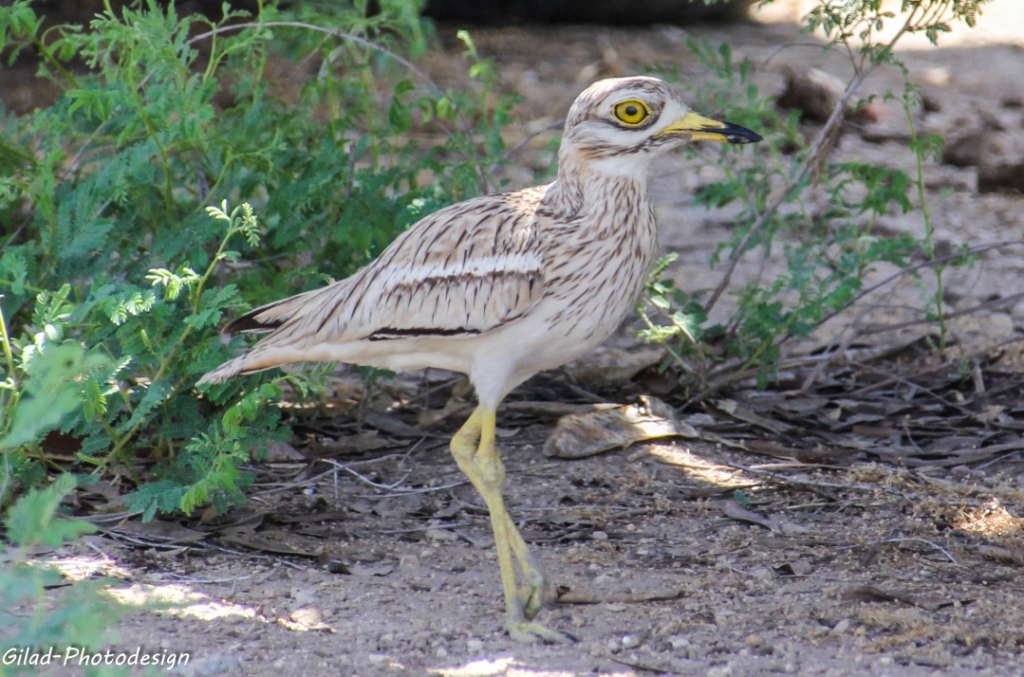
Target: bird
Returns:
[501, 287]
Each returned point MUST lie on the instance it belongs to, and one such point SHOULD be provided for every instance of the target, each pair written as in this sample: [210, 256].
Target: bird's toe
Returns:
[531, 631]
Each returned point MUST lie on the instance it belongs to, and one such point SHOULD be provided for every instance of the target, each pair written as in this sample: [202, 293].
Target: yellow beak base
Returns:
[700, 128]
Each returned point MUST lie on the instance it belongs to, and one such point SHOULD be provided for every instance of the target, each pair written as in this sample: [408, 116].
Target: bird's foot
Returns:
[531, 631]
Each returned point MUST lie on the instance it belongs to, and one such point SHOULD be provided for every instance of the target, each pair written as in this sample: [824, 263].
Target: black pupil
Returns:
[631, 111]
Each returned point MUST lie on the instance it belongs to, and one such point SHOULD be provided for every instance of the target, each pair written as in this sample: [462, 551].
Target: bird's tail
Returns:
[280, 318]
[228, 370]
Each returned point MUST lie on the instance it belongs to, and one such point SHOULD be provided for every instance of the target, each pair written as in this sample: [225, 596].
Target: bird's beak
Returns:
[701, 128]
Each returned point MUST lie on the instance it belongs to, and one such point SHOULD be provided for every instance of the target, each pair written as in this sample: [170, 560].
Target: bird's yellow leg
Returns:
[464, 447]
[484, 469]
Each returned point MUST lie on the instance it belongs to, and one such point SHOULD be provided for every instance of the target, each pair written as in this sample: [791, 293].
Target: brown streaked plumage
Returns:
[503, 286]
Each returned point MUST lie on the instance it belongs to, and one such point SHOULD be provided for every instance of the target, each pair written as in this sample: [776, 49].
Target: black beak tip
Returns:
[737, 134]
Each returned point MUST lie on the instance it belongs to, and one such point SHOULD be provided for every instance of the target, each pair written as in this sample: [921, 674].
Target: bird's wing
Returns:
[467, 269]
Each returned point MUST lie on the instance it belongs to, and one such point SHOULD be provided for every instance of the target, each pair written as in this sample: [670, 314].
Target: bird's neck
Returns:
[596, 185]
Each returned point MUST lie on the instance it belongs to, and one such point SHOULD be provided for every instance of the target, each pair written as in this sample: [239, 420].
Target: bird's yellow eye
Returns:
[631, 112]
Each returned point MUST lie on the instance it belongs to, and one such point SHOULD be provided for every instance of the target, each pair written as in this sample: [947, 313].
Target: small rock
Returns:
[377, 658]
[441, 535]
[813, 92]
[679, 642]
[967, 151]
[441, 652]
[937, 76]
[720, 671]
[754, 640]
[303, 596]
[930, 104]
[475, 645]
[842, 626]
[685, 666]
[282, 452]
[599, 536]
[1001, 178]
[630, 641]
[1014, 101]
[960, 472]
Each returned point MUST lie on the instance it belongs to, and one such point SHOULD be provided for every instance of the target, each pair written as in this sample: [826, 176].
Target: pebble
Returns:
[441, 652]
[599, 536]
[721, 671]
[960, 472]
[475, 645]
[441, 535]
[679, 642]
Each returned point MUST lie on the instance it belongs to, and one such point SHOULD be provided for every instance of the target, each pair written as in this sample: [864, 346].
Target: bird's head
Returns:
[618, 125]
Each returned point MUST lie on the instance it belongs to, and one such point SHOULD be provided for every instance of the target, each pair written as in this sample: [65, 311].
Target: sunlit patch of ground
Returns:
[180, 601]
[81, 568]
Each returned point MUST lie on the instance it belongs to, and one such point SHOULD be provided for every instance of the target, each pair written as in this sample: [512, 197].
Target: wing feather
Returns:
[465, 270]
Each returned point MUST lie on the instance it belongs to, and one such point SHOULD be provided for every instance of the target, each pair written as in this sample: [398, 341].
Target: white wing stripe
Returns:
[484, 266]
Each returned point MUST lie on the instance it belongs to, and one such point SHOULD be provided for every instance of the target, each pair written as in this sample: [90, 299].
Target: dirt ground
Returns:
[857, 567]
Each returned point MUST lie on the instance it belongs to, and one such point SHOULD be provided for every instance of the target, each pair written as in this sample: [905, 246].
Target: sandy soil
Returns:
[399, 583]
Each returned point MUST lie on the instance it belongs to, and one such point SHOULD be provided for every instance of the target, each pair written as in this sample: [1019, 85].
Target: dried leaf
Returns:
[747, 414]
[556, 409]
[1000, 554]
[161, 531]
[730, 508]
[392, 426]
[567, 595]
[337, 566]
[614, 366]
[354, 445]
[305, 620]
[578, 436]
[452, 408]
[869, 593]
[276, 541]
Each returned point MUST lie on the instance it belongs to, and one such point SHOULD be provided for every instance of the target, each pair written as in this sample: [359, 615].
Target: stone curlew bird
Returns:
[501, 287]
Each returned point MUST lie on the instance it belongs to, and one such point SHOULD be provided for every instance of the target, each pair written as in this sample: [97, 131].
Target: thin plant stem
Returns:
[929, 231]
[821, 143]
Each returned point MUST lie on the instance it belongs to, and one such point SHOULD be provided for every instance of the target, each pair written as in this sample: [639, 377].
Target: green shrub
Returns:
[827, 255]
[114, 274]
[30, 617]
